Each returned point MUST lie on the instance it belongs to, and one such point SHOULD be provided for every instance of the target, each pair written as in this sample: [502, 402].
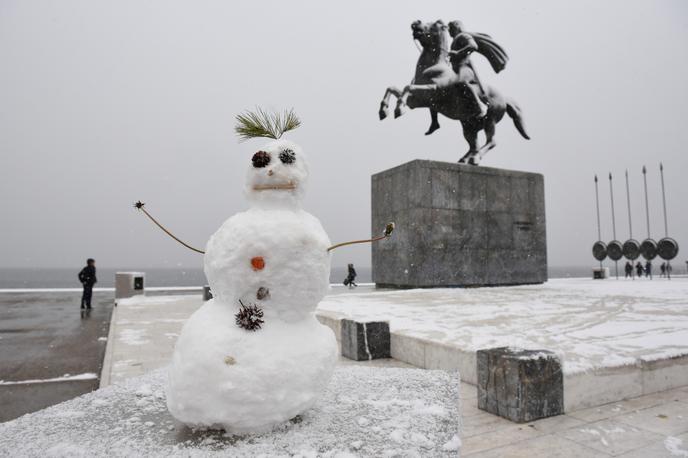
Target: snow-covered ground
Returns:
[589, 323]
[364, 412]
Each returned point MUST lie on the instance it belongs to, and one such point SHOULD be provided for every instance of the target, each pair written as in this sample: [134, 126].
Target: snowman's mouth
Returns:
[267, 187]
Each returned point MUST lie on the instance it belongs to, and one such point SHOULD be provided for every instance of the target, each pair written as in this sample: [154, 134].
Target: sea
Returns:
[46, 278]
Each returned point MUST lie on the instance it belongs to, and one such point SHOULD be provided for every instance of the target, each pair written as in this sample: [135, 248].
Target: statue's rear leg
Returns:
[490, 128]
[470, 133]
[384, 104]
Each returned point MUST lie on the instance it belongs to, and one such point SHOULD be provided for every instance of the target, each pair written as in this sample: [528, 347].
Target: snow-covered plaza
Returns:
[608, 333]
[589, 323]
[616, 339]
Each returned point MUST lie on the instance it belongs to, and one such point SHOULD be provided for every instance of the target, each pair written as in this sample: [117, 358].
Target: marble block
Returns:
[520, 385]
[365, 340]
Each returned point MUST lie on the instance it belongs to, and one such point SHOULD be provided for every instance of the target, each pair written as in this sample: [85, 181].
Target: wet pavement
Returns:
[46, 336]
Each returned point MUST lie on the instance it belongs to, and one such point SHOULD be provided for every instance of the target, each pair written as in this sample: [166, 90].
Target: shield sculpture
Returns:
[667, 248]
[631, 249]
[648, 249]
[615, 250]
[599, 250]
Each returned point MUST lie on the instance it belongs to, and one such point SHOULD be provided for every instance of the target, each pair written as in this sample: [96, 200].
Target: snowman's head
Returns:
[277, 176]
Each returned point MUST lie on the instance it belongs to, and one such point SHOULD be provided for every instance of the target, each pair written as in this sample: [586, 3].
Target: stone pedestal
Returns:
[520, 385]
[365, 341]
[458, 225]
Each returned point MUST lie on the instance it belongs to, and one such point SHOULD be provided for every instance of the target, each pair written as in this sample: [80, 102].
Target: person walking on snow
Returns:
[87, 277]
[629, 269]
[639, 269]
[349, 281]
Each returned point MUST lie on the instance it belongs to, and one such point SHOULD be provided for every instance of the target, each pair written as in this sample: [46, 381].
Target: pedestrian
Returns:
[639, 269]
[669, 269]
[87, 277]
[350, 277]
[648, 269]
[662, 270]
[629, 269]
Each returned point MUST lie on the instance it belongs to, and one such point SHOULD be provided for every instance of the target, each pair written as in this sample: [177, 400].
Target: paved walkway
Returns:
[142, 338]
[50, 351]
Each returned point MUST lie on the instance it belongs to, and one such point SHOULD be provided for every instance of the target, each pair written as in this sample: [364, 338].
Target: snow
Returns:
[276, 372]
[674, 446]
[273, 256]
[133, 336]
[131, 419]
[64, 378]
[293, 246]
[589, 323]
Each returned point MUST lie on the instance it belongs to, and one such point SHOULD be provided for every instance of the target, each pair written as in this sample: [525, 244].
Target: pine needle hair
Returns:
[260, 123]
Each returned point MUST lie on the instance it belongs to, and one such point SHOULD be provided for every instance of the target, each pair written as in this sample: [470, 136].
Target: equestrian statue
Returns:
[446, 82]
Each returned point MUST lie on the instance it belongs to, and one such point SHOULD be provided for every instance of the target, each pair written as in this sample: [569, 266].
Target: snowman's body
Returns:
[274, 256]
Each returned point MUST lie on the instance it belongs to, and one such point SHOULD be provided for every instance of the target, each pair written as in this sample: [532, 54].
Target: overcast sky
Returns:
[103, 103]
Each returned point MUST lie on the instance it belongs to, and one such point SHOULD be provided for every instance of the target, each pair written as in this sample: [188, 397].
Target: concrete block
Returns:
[664, 374]
[458, 225]
[520, 385]
[408, 349]
[207, 294]
[602, 386]
[365, 341]
[449, 358]
[600, 273]
[129, 284]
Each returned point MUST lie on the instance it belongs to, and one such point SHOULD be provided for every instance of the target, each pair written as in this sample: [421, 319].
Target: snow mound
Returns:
[407, 412]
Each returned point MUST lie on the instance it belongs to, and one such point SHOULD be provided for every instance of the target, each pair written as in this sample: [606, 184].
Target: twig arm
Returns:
[387, 233]
[139, 206]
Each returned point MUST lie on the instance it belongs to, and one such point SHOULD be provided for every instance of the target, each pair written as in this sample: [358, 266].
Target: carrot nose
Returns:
[258, 263]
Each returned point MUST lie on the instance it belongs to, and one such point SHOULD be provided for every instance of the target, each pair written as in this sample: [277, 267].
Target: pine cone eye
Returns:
[287, 156]
[260, 159]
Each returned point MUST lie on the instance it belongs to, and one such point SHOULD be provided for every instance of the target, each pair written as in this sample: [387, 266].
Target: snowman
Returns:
[255, 356]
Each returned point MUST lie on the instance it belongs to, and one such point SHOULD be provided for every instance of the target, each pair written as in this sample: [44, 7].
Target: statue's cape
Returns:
[493, 52]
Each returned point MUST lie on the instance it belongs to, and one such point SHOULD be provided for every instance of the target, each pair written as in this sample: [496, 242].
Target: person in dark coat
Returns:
[639, 269]
[351, 276]
[629, 269]
[648, 269]
[87, 277]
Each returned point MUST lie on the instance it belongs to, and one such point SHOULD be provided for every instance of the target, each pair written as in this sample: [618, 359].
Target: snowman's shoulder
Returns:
[241, 221]
[309, 219]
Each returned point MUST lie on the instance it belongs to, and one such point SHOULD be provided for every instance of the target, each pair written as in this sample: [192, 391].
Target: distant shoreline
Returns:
[65, 279]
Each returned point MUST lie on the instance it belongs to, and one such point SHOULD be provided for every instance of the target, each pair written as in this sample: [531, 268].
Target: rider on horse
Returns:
[463, 45]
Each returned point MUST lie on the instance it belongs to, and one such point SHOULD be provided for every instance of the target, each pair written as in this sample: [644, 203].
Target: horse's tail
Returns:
[514, 113]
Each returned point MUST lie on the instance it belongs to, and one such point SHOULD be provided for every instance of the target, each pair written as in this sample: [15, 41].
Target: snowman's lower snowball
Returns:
[225, 377]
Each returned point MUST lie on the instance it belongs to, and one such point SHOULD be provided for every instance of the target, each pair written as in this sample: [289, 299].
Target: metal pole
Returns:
[611, 195]
[666, 225]
[647, 206]
[630, 222]
[597, 203]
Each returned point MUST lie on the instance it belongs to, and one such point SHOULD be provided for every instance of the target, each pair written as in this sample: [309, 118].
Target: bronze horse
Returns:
[445, 82]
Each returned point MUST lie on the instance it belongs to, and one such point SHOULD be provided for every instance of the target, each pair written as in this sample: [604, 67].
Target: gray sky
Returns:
[103, 103]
